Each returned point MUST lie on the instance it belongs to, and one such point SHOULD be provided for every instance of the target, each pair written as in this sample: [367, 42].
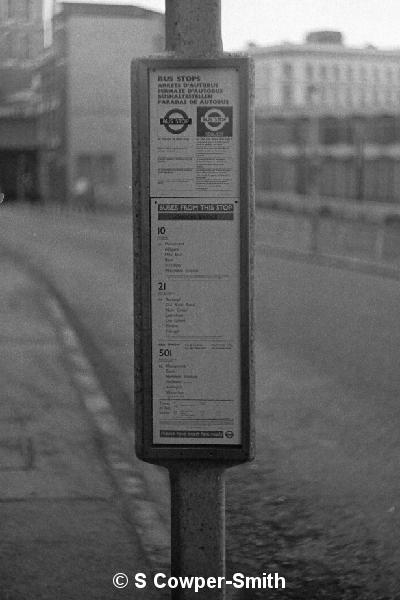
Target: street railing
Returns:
[366, 232]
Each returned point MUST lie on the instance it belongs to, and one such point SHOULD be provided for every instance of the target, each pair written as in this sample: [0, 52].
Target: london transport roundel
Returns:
[176, 121]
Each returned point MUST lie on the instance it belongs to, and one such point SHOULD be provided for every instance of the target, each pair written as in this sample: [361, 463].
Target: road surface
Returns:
[320, 505]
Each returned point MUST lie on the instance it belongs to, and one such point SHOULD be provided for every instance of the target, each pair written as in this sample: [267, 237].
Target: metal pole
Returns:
[193, 29]
[198, 527]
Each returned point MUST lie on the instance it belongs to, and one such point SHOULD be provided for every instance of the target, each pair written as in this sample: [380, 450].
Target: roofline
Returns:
[322, 50]
[86, 9]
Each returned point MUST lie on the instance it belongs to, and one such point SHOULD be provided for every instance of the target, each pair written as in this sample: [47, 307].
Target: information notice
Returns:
[194, 134]
[195, 256]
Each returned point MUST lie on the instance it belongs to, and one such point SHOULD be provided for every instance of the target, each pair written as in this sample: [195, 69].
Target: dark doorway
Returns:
[18, 175]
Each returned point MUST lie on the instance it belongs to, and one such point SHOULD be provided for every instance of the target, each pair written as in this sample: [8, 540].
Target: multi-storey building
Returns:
[21, 44]
[65, 108]
[84, 128]
[326, 75]
[21, 31]
[322, 106]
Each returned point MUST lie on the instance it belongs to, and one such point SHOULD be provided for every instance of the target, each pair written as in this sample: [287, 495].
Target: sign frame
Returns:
[146, 449]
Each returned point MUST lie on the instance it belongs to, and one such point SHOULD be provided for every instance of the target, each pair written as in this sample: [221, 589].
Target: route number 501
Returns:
[165, 352]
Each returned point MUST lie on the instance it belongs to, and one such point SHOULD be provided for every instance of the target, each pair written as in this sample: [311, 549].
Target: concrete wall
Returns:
[100, 51]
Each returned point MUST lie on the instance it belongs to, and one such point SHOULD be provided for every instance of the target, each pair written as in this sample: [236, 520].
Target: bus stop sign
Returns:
[193, 269]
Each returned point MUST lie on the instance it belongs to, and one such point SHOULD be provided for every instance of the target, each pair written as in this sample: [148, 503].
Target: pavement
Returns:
[73, 508]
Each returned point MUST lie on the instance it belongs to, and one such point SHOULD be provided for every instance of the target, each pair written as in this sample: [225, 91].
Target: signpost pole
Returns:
[193, 197]
[198, 527]
[193, 29]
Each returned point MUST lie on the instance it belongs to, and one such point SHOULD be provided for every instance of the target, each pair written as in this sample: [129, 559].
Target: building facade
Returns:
[65, 106]
[326, 75]
[84, 128]
[21, 46]
[328, 118]
[21, 31]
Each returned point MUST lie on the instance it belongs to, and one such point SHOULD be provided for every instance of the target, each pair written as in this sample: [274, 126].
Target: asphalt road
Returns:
[320, 505]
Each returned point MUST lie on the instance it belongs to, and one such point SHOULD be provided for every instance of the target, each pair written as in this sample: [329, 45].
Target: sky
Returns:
[268, 22]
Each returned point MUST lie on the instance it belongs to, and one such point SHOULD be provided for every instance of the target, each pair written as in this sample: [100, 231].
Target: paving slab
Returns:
[62, 530]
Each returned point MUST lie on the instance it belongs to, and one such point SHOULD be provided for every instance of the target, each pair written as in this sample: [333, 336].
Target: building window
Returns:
[99, 169]
[389, 85]
[287, 84]
[106, 172]
[347, 132]
[10, 9]
[287, 70]
[384, 129]
[363, 80]
[330, 131]
[84, 167]
[397, 90]
[300, 132]
[349, 89]
[310, 93]
[336, 84]
[287, 93]
[25, 50]
[376, 96]
[268, 85]
[349, 73]
[8, 45]
[12, 45]
[27, 10]
[309, 71]
[323, 90]
[310, 87]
